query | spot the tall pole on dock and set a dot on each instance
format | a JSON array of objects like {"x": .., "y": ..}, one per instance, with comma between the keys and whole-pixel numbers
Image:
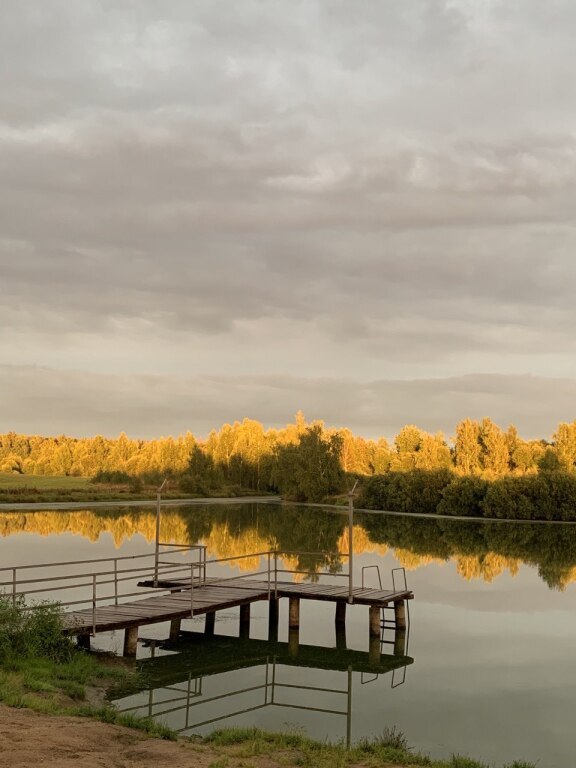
[
  {"x": 351, "y": 543},
  {"x": 157, "y": 548}
]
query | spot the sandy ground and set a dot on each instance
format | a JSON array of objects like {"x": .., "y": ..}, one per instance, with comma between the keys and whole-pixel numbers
[{"x": 28, "y": 739}]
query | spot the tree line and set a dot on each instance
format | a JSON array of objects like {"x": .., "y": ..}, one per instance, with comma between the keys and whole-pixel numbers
[{"x": 303, "y": 461}]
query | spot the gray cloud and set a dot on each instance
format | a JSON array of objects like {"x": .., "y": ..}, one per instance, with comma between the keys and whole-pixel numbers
[
  {"x": 50, "y": 402},
  {"x": 315, "y": 189}
]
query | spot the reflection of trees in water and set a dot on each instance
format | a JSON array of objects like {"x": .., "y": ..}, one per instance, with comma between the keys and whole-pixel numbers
[
  {"x": 494, "y": 546},
  {"x": 479, "y": 550}
]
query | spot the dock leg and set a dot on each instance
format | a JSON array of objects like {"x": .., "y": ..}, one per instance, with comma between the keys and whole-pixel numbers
[
  {"x": 400, "y": 642},
  {"x": 374, "y": 650},
  {"x": 210, "y": 623},
  {"x": 273, "y": 616},
  {"x": 374, "y": 621},
  {"x": 130, "y": 641},
  {"x": 83, "y": 642},
  {"x": 400, "y": 614},
  {"x": 340, "y": 624},
  {"x": 175, "y": 626},
  {"x": 293, "y": 613},
  {"x": 293, "y": 641},
  {"x": 245, "y": 621}
]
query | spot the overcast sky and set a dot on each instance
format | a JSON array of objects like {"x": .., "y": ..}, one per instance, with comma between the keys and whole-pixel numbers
[{"x": 212, "y": 209}]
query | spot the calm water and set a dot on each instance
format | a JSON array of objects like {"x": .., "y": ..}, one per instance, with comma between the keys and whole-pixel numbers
[{"x": 491, "y": 635}]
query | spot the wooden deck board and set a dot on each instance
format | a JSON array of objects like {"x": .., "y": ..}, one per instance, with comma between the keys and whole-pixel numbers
[{"x": 215, "y": 595}]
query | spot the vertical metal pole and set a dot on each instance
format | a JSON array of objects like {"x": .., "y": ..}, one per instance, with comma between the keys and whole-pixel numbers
[
  {"x": 351, "y": 545},
  {"x": 192, "y": 591},
  {"x": 157, "y": 547},
  {"x": 115, "y": 581},
  {"x": 93, "y": 605},
  {"x": 14, "y": 586},
  {"x": 276, "y": 574},
  {"x": 268, "y": 577},
  {"x": 349, "y": 711}
]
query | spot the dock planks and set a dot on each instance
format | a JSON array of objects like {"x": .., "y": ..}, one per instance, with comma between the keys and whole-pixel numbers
[{"x": 215, "y": 595}]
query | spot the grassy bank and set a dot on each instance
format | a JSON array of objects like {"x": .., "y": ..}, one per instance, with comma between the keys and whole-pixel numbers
[{"x": 15, "y": 488}]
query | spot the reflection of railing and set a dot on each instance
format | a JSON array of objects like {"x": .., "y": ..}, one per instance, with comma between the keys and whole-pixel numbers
[{"x": 270, "y": 688}]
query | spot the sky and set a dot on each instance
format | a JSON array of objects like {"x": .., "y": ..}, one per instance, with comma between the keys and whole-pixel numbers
[{"x": 212, "y": 210}]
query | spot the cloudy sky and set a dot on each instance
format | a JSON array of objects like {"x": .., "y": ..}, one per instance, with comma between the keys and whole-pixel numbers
[{"x": 214, "y": 209}]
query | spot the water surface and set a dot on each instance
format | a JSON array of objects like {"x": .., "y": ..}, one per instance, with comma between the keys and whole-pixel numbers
[{"x": 491, "y": 635}]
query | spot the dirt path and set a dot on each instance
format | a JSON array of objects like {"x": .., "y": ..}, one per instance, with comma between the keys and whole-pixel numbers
[{"x": 29, "y": 740}]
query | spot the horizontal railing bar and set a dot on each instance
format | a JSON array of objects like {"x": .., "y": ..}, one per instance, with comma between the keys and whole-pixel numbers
[
  {"x": 240, "y": 557},
  {"x": 314, "y": 573},
  {"x": 221, "y": 717},
  {"x": 310, "y": 688},
  {"x": 86, "y": 562},
  {"x": 310, "y": 709},
  {"x": 294, "y": 552}
]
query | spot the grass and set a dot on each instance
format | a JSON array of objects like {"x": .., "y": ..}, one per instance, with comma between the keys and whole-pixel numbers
[
  {"x": 390, "y": 749},
  {"x": 15, "y": 488}
]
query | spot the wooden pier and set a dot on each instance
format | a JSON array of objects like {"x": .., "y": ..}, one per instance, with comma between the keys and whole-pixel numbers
[{"x": 170, "y": 591}]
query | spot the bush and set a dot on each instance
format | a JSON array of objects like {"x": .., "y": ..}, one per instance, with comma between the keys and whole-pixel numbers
[
  {"x": 418, "y": 491},
  {"x": 32, "y": 632},
  {"x": 547, "y": 496},
  {"x": 464, "y": 497}
]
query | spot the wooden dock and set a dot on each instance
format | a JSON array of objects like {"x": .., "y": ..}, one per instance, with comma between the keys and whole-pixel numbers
[
  {"x": 218, "y": 595},
  {"x": 125, "y": 593}
]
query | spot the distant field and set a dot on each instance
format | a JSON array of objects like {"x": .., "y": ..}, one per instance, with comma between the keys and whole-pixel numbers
[{"x": 42, "y": 482}]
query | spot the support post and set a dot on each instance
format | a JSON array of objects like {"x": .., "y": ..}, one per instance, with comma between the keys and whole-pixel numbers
[
  {"x": 340, "y": 625},
  {"x": 400, "y": 642},
  {"x": 245, "y": 621},
  {"x": 374, "y": 621},
  {"x": 130, "y": 641},
  {"x": 273, "y": 616},
  {"x": 400, "y": 614},
  {"x": 175, "y": 626},
  {"x": 293, "y": 613},
  {"x": 210, "y": 623},
  {"x": 83, "y": 642},
  {"x": 293, "y": 641},
  {"x": 374, "y": 634}
]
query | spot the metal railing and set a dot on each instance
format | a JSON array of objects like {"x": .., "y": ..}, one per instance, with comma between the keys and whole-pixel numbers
[{"x": 95, "y": 581}]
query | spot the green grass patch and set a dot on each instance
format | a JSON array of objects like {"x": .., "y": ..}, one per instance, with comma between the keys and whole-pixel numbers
[
  {"x": 41, "y": 482},
  {"x": 389, "y": 749}
]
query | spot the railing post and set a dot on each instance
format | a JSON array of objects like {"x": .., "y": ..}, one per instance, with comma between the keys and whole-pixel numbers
[
  {"x": 276, "y": 574},
  {"x": 157, "y": 545},
  {"x": 14, "y": 586},
  {"x": 351, "y": 544},
  {"x": 93, "y": 605},
  {"x": 269, "y": 575},
  {"x": 115, "y": 581},
  {"x": 192, "y": 591}
]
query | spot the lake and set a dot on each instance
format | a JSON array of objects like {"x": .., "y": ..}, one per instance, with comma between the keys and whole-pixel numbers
[{"x": 491, "y": 636}]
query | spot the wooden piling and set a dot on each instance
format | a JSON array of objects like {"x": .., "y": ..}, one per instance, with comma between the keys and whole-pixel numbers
[
  {"x": 175, "y": 626},
  {"x": 400, "y": 642},
  {"x": 293, "y": 641},
  {"x": 293, "y": 613},
  {"x": 400, "y": 614},
  {"x": 374, "y": 621},
  {"x": 84, "y": 642},
  {"x": 374, "y": 649},
  {"x": 245, "y": 621},
  {"x": 130, "y": 641},
  {"x": 340, "y": 617},
  {"x": 273, "y": 616},
  {"x": 210, "y": 623}
]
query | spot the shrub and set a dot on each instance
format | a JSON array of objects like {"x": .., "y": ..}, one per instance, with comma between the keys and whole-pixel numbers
[
  {"x": 464, "y": 497},
  {"x": 32, "y": 632},
  {"x": 418, "y": 491}
]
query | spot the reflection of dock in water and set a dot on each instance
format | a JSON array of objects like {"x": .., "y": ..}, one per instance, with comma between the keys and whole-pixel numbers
[{"x": 175, "y": 684}]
